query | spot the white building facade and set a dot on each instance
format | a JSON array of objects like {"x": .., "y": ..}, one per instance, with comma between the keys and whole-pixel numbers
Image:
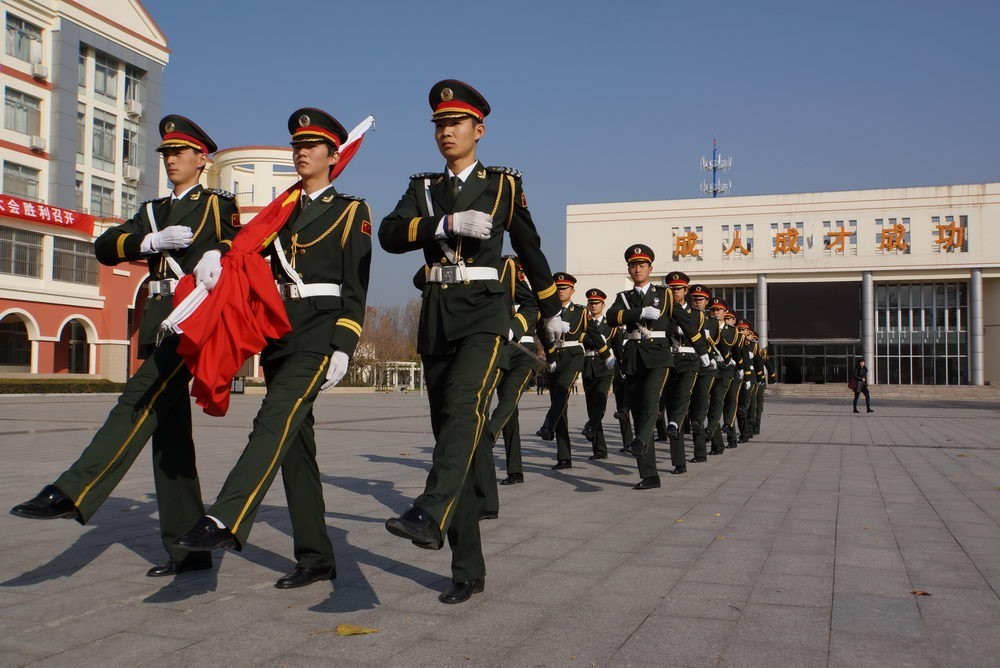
[{"x": 907, "y": 279}]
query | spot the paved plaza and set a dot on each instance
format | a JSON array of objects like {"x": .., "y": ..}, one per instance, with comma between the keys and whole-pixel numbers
[{"x": 831, "y": 539}]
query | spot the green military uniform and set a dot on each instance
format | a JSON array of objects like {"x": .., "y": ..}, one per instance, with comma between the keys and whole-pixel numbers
[
  {"x": 749, "y": 387},
  {"x": 731, "y": 408},
  {"x": 465, "y": 315},
  {"x": 726, "y": 374},
  {"x": 647, "y": 357},
  {"x": 154, "y": 402},
  {"x": 565, "y": 357},
  {"x": 617, "y": 343},
  {"x": 765, "y": 375},
  {"x": 327, "y": 242},
  {"x": 707, "y": 378},
  {"x": 597, "y": 376}
]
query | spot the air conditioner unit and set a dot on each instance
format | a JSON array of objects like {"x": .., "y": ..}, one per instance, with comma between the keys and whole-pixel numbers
[
  {"x": 36, "y": 143},
  {"x": 39, "y": 71},
  {"x": 130, "y": 173},
  {"x": 133, "y": 107}
]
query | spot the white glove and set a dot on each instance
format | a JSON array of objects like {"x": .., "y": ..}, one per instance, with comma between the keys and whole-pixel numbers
[
  {"x": 472, "y": 224},
  {"x": 650, "y": 313},
  {"x": 174, "y": 237},
  {"x": 750, "y": 353},
  {"x": 610, "y": 362},
  {"x": 565, "y": 326},
  {"x": 208, "y": 269},
  {"x": 705, "y": 362},
  {"x": 552, "y": 367},
  {"x": 746, "y": 385},
  {"x": 731, "y": 362},
  {"x": 553, "y": 327},
  {"x": 719, "y": 359},
  {"x": 510, "y": 334},
  {"x": 338, "y": 367}
]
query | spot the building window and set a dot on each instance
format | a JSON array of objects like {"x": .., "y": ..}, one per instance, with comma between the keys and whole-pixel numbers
[
  {"x": 104, "y": 140},
  {"x": 130, "y": 144},
  {"x": 133, "y": 83},
  {"x": 20, "y": 252},
  {"x": 106, "y": 76},
  {"x": 24, "y": 40},
  {"x": 102, "y": 197},
  {"x": 81, "y": 69},
  {"x": 20, "y": 181},
  {"x": 741, "y": 299},
  {"x": 15, "y": 348},
  {"x": 81, "y": 132},
  {"x": 79, "y": 191},
  {"x": 130, "y": 199},
  {"x": 73, "y": 261},
  {"x": 22, "y": 113}
]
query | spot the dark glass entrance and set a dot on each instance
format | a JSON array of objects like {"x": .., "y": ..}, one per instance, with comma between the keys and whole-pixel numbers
[{"x": 814, "y": 361}]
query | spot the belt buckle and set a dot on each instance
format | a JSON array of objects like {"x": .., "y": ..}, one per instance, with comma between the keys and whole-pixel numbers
[{"x": 449, "y": 274}]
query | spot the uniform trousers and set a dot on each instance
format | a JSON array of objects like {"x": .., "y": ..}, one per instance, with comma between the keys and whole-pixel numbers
[
  {"x": 154, "y": 403},
  {"x": 596, "y": 393},
  {"x": 677, "y": 400},
  {"x": 644, "y": 390},
  {"x": 731, "y": 408},
  {"x": 504, "y": 419},
  {"x": 758, "y": 408},
  {"x": 569, "y": 364},
  {"x": 716, "y": 408},
  {"x": 621, "y": 408},
  {"x": 698, "y": 413}
]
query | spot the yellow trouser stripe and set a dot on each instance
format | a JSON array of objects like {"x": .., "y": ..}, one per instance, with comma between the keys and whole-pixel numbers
[
  {"x": 277, "y": 450},
  {"x": 517, "y": 400},
  {"x": 480, "y": 423},
  {"x": 131, "y": 435}
]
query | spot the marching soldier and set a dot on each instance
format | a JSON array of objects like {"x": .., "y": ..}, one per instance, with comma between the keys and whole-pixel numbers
[
  {"x": 707, "y": 375},
  {"x": 321, "y": 259},
  {"x": 174, "y": 235},
  {"x": 565, "y": 355},
  {"x": 718, "y": 309},
  {"x": 457, "y": 219},
  {"x": 688, "y": 359},
  {"x": 617, "y": 343},
  {"x": 765, "y": 375},
  {"x": 597, "y": 373},
  {"x": 749, "y": 381},
  {"x": 730, "y": 407},
  {"x": 648, "y": 315}
]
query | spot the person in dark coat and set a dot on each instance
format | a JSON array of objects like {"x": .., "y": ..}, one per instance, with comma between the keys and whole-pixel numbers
[{"x": 860, "y": 378}]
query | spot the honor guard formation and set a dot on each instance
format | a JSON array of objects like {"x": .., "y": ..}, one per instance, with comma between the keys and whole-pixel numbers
[{"x": 292, "y": 285}]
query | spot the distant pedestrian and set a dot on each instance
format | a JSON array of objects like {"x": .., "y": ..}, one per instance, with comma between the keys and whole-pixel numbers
[{"x": 859, "y": 383}]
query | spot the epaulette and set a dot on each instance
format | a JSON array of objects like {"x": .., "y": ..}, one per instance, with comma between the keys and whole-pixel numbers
[
  {"x": 353, "y": 198},
  {"x": 224, "y": 194},
  {"x": 427, "y": 175},
  {"x": 153, "y": 201},
  {"x": 497, "y": 169}
]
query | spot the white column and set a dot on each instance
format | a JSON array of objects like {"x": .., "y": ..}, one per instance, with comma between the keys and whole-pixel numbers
[
  {"x": 760, "y": 324},
  {"x": 868, "y": 323},
  {"x": 976, "y": 326}
]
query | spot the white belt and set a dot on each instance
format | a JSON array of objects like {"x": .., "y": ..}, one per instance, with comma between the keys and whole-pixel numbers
[
  {"x": 526, "y": 339},
  {"x": 457, "y": 274},
  {"x": 164, "y": 287},
  {"x": 685, "y": 349},
  {"x": 589, "y": 353},
  {"x": 568, "y": 344},
  {"x": 636, "y": 335},
  {"x": 292, "y": 291}
]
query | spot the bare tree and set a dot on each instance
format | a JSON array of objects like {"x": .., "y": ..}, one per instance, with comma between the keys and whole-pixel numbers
[{"x": 389, "y": 335}]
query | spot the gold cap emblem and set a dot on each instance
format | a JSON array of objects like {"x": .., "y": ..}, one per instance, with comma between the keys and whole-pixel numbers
[
  {"x": 169, "y": 126},
  {"x": 447, "y": 94},
  {"x": 304, "y": 120},
  {"x": 636, "y": 250}
]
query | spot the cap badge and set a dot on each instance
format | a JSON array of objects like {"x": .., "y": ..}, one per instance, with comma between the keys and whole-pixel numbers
[
  {"x": 304, "y": 120},
  {"x": 636, "y": 250},
  {"x": 169, "y": 126},
  {"x": 447, "y": 94}
]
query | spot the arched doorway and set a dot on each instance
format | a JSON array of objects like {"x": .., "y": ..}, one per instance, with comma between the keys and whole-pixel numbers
[
  {"x": 72, "y": 354},
  {"x": 15, "y": 348}
]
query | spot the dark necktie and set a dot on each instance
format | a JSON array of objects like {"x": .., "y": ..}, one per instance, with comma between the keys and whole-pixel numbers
[
  {"x": 456, "y": 186},
  {"x": 305, "y": 200}
]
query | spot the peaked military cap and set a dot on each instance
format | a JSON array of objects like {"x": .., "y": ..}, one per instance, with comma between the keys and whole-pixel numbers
[
  {"x": 562, "y": 278},
  {"x": 309, "y": 125},
  {"x": 676, "y": 279},
  {"x": 452, "y": 98},
  {"x": 718, "y": 302},
  {"x": 699, "y": 290},
  {"x": 639, "y": 253},
  {"x": 179, "y": 132},
  {"x": 595, "y": 295},
  {"x": 742, "y": 324}
]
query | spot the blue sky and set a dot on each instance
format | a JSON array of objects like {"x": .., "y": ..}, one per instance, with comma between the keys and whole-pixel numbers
[{"x": 604, "y": 102}]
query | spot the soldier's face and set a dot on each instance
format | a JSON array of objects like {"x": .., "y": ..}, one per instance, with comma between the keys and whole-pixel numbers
[
  {"x": 456, "y": 137},
  {"x": 639, "y": 272},
  {"x": 313, "y": 159},
  {"x": 719, "y": 314},
  {"x": 699, "y": 302},
  {"x": 565, "y": 293},
  {"x": 679, "y": 292},
  {"x": 730, "y": 320},
  {"x": 182, "y": 164},
  {"x": 595, "y": 308}
]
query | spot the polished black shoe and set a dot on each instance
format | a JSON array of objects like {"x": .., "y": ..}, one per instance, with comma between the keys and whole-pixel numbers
[
  {"x": 206, "y": 535},
  {"x": 48, "y": 504},
  {"x": 856, "y": 410},
  {"x": 679, "y": 470},
  {"x": 300, "y": 577},
  {"x": 697, "y": 460},
  {"x": 598, "y": 455},
  {"x": 661, "y": 436},
  {"x": 545, "y": 433},
  {"x": 636, "y": 448},
  {"x": 513, "y": 479},
  {"x": 672, "y": 432},
  {"x": 652, "y": 482},
  {"x": 489, "y": 515},
  {"x": 563, "y": 464},
  {"x": 619, "y": 416},
  {"x": 177, "y": 567},
  {"x": 461, "y": 592},
  {"x": 732, "y": 446},
  {"x": 417, "y": 525},
  {"x": 588, "y": 433},
  {"x": 743, "y": 438},
  {"x": 715, "y": 451},
  {"x": 871, "y": 410}
]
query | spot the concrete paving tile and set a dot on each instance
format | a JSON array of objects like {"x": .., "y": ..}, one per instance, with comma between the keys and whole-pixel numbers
[
  {"x": 952, "y": 603},
  {"x": 784, "y": 626},
  {"x": 804, "y": 590},
  {"x": 764, "y": 655},
  {"x": 705, "y": 600},
  {"x": 673, "y": 556},
  {"x": 850, "y": 650},
  {"x": 963, "y": 642},
  {"x": 575, "y": 637},
  {"x": 799, "y": 563},
  {"x": 822, "y": 544},
  {"x": 877, "y": 581},
  {"x": 886, "y": 557},
  {"x": 680, "y": 640},
  {"x": 868, "y": 613},
  {"x": 634, "y": 577},
  {"x": 119, "y": 649}
]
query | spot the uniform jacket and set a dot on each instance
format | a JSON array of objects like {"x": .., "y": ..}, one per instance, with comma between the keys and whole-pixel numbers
[
  {"x": 597, "y": 341},
  {"x": 211, "y": 214},
  {"x": 450, "y": 312},
  {"x": 329, "y": 241},
  {"x": 523, "y": 310},
  {"x": 729, "y": 348},
  {"x": 711, "y": 330}
]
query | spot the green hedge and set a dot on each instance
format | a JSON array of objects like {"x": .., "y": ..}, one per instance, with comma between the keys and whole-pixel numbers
[{"x": 57, "y": 385}]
